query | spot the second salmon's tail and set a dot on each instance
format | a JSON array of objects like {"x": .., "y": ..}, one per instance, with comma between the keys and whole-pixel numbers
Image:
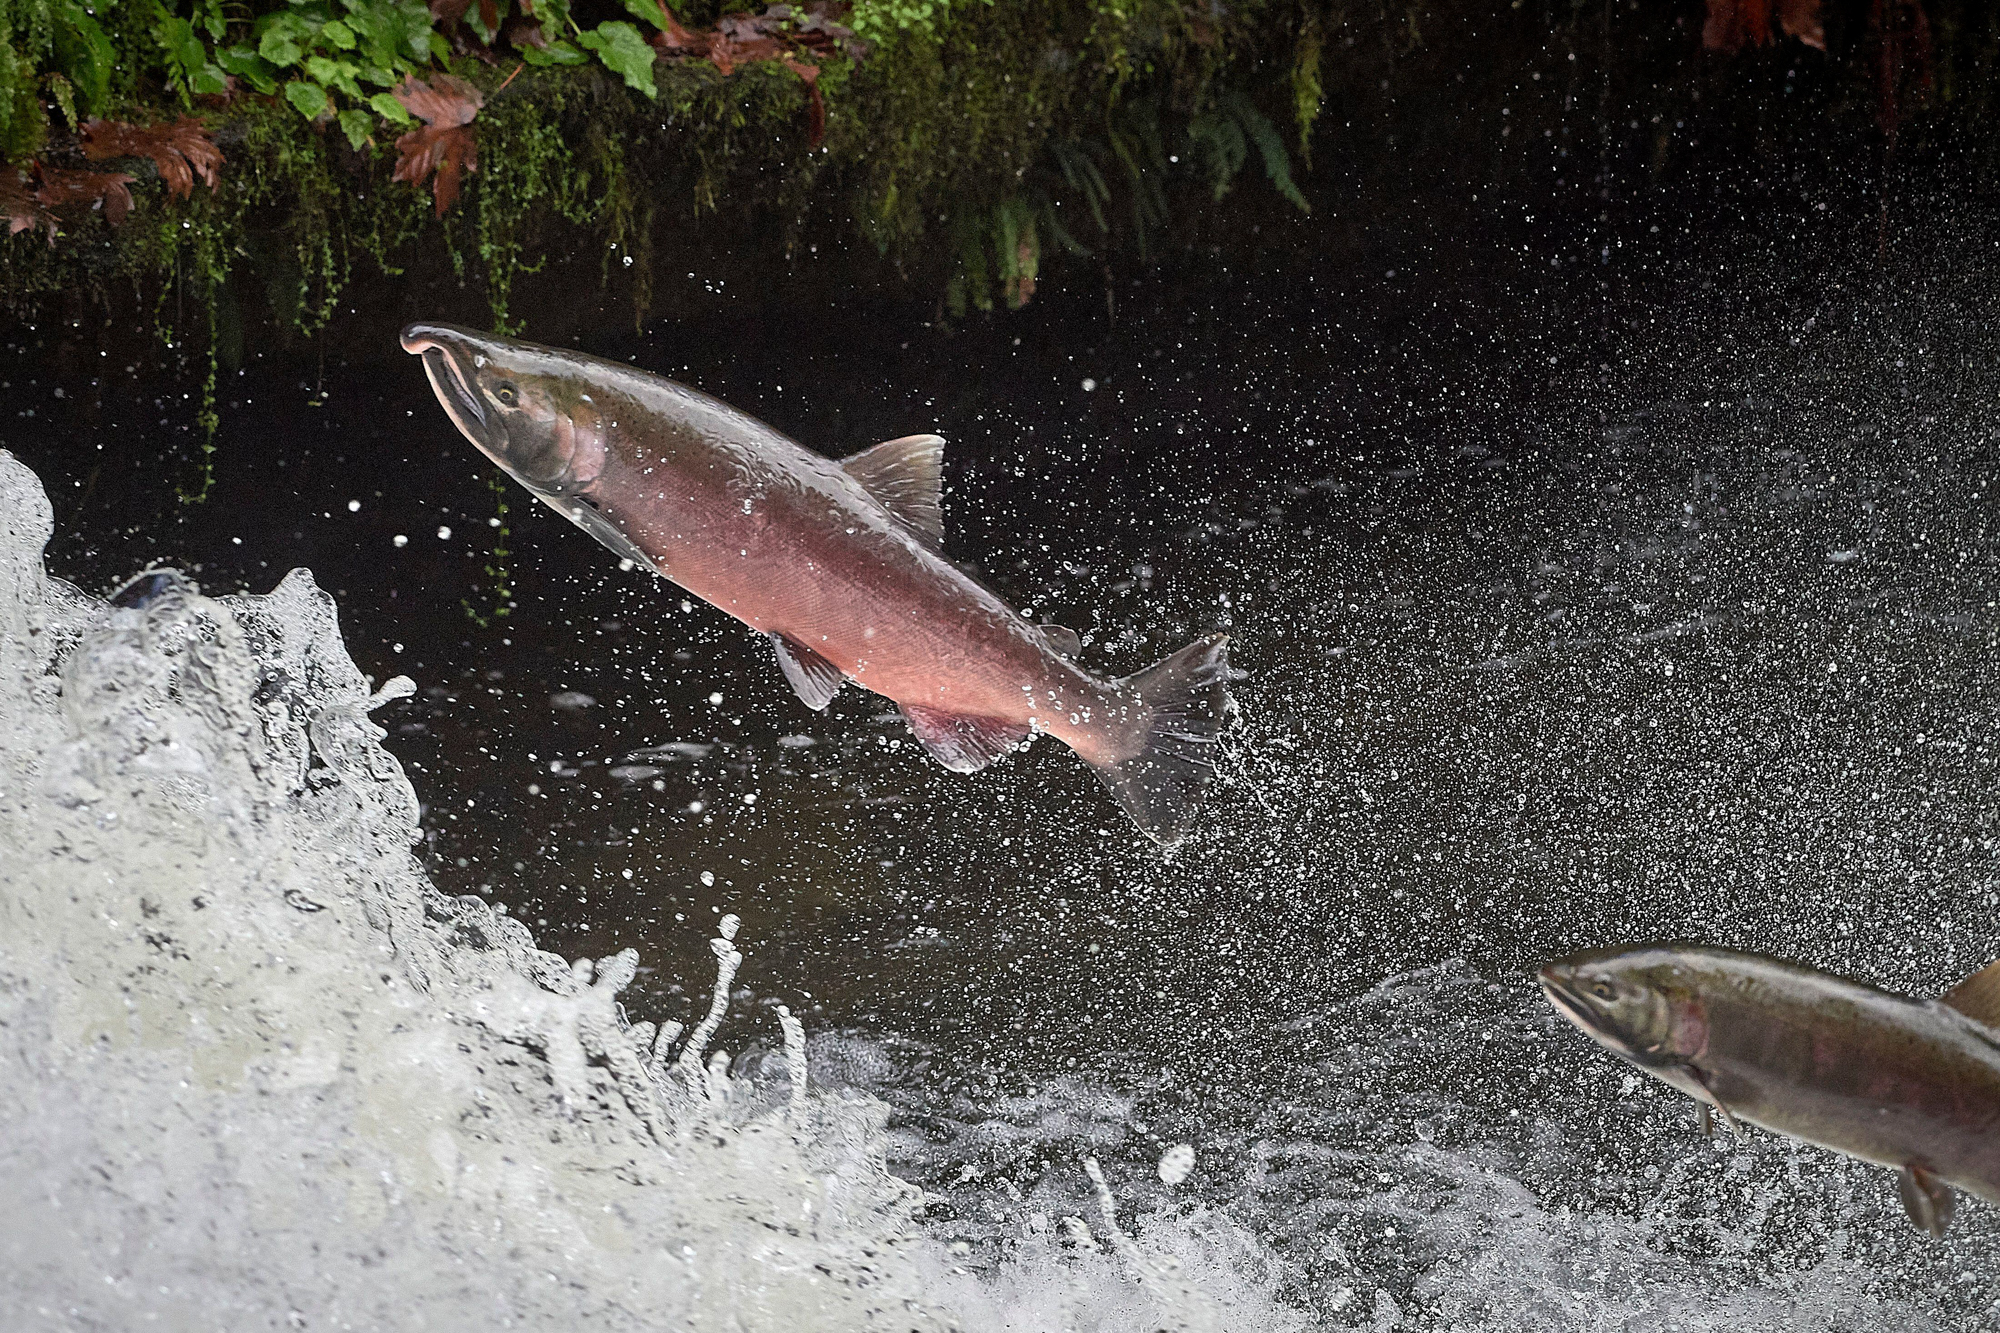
[{"x": 1188, "y": 704}]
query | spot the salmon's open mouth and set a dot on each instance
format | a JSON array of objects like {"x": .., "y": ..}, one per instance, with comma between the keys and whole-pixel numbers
[
  {"x": 449, "y": 366},
  {"x": 1566, "y": 1002}
]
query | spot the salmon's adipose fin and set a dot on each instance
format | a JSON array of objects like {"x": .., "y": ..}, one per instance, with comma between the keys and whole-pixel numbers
[
  {"x": 1929, "y": 1201},
  {"x": 1188, "y": 704},
  {"x": 1978, "y": 996},
  {"x": 962, "y": 744},
  {"x": 816, "y": 679}
]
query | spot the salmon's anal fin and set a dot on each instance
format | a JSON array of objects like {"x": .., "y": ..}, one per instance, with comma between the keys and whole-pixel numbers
[
  {"x": 1187, "y": 704},
  {"x": 962, "y": 744},
  {"x": 1929, "y": 1201},
  {"x": 906, "y": 477},
  {"x": 1978, "y": 996},
  {"x": 1061, "y": 639},
  {"x": 816, "y": 679}
]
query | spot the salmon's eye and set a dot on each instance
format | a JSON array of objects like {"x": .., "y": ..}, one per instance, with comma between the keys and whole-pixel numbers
[
  {"x": 506, "y": 394},
  {"x": 1604, "y": 990}
]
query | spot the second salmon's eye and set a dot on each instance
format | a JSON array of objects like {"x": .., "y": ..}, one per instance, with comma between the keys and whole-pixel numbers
[{"x": 507, "y": 394}]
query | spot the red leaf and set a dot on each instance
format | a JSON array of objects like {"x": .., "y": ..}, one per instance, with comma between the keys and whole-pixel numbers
[
  {"x": 726, "y": 52},
  {"x": 18, "y": 204},
  {"x": 672, "y": 36},
  {"x": 489, "y": 14},
  {"x": 779, "y": 33},
  {"x": 61, "y": 188},
  {"x": 1800, "y": 19},
  {"x": 181, "y": 150},
  {"x": 448, "y": 12},
  {"x": 442, "y": 103},
  {"x": 1735, "y": 24},
  {"x": 444, "y": 150},
  {"x": 448, "y": 151}
]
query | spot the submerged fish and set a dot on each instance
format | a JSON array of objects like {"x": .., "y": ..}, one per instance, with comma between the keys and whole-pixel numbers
[
  {"x": 841, "y": 564},
  {"x": 1910, "y": 1084}
]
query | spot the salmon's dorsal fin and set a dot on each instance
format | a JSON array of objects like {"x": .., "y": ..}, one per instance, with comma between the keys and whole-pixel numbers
[
  {"x": 816, "y": 679},
  {"x": 962, "y": 744},
  {"x": 906, "y": 477},
  {"x": 1061, "y": 639},
  {"x": 1978, "y": 996}
]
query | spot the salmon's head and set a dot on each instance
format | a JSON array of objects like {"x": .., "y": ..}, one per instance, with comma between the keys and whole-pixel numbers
[
  {"x": 528, "y": 408},
  {"x": 1640, "y": 1003}
]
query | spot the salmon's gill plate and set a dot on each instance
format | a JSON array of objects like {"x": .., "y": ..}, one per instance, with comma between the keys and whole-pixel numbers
[{"x": 257, "y": 1072}]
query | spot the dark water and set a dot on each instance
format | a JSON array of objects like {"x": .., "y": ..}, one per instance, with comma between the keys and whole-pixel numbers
[{"x": 1583, "y": 598}]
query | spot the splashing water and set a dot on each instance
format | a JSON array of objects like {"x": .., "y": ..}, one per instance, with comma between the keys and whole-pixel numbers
[{"x": 259, "y": 1072}]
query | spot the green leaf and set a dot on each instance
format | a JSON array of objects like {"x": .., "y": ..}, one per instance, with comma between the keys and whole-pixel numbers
[
  {"x": 338, "y": 34},
  {"x": 356, "y": 125},
  {"x": 557, "y": 52},
  {"x": 247, "y": 65},
  {"x": 623, "y": 52},
  {"x": 440, "y": 48},
  {"x": 475, "y": 19},
  {"x": 282, "y": 39},
  {"x": 647, "y": 11},
  {"x": 1277, "y": 162},
  {"x": 391, "y": 110},
  {"x": 337, "y": 74},
  {"x": 555, "y": 18},
  {"x": 65, "y": 94},
  {"x": 395, "y": 32},
  {"x": 187, "y": 58},
  {"x": 309, "y": 99},
  {"x": 85, "y": 54},
  {"x": 208, "y": 13}
]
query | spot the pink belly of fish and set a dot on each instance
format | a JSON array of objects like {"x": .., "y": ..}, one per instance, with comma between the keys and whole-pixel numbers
[{"x": 897, "y": 621}]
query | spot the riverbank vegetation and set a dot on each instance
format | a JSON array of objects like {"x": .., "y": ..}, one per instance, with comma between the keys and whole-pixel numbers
[{"x": 231, "y": 164}]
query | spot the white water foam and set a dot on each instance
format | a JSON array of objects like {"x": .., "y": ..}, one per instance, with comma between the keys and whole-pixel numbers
[{"x": 257, "y": 1072}]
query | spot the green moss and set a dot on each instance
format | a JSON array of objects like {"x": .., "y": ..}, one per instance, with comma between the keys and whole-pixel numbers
[{"x": 976, "y": 147}]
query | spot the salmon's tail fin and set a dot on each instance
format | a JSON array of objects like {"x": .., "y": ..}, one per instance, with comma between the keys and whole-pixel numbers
[{"x": 1187, "y": 705}]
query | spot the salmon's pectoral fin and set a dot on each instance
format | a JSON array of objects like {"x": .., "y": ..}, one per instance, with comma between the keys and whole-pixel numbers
[
  {"x": 1929, "y": 1201},
  {"x": 962, "y": 744},
  {"x": 816, "y": 679},
  {"x": 906, "y": 477},
  {"x": 1709, "y": 1099}
]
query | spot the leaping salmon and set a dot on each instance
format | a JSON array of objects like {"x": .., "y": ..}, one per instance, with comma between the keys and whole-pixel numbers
[
  {"x": 1910, "y": 1084},
  {"x": 841, "y": 564}
]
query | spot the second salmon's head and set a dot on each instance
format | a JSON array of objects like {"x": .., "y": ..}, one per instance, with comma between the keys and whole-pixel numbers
[
  {"x": 1641, "y": 1003},
  {"x": 524, "y": 406}
]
